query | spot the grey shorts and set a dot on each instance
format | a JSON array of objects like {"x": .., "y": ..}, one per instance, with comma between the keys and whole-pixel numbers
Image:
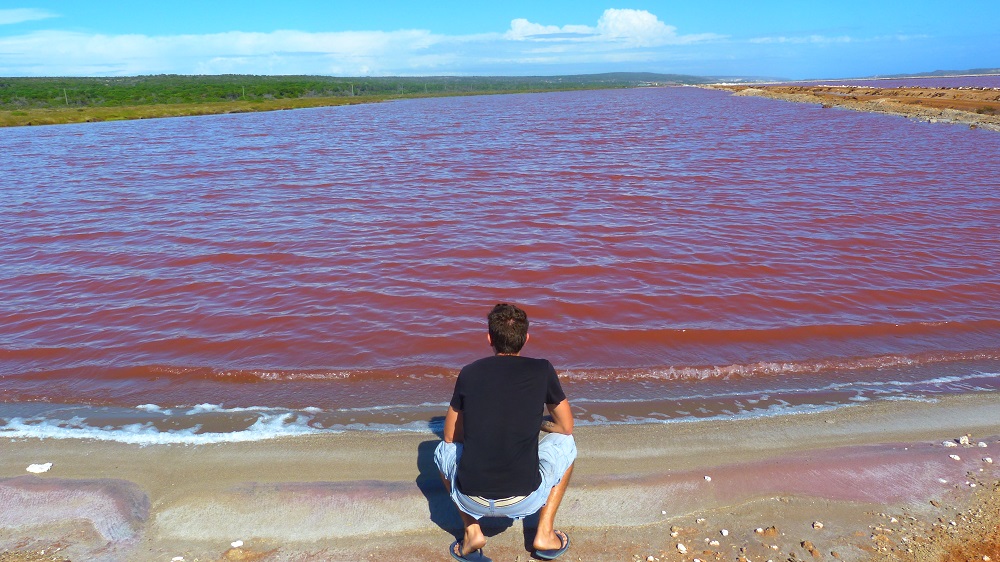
[{"x": 556, "y": 453}]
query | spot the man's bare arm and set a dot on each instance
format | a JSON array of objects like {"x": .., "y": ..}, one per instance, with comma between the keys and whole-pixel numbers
[
  {"x": 562, "y": 419},
  {"x": 453, "y": 432}
]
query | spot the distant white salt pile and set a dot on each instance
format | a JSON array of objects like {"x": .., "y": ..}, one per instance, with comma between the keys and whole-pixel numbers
[{"x": 39, "y": 468}]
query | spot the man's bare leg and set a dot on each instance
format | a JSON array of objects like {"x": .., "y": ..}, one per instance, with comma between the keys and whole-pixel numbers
[
  {"x": 474, "y": 538},
  {"x": 545, "y": 535}
]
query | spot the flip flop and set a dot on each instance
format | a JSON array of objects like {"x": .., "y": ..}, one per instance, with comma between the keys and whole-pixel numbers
[
  {"x": 474, "y": 556},
  {"x": 554, "y": 553}
]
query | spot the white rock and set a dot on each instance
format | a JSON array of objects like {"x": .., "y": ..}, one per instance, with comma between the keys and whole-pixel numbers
[
  {"x": 39, "y": 468},
  {"x": 987, "y": 460},
  {"x": 955, "y": 457},
  {"x": 681, "y": 548},
  {"x": 963, "y": 440},
  {"x": 177, "y": 559},
  {"x": 663, "y": 513},
  {"x": 759, "y": 530},
  {"x": 725, "y": 532},
  {"x": 942, "y": 480},
  {"x": 674, "y": 534},
  {"x": 236, "y": 544},
  {"x": 650, "y": 558},
  {"x": 708, "y": 478},
  {"x": 817, "y": 525},
  {"x": 699, "y": 520},
  {"x": 713, "y": 543},
  {"x": 950, "y": 444},
  {"x": 981, "y": 444}
]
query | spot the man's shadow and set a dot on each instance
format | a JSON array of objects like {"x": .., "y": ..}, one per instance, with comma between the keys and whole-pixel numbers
[{"x": 443, "y": 512}]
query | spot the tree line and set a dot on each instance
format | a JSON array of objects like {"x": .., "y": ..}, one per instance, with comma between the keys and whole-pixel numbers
[{"x": 28, "y": 93}]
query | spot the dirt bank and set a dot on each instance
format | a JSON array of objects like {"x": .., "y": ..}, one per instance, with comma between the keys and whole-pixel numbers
[{"x": 977, "y": 107}]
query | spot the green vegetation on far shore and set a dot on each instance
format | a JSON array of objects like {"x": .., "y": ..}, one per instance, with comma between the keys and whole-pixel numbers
[{"x": 46, "y": 101}]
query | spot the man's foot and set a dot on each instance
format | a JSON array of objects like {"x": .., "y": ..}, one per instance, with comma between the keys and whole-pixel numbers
[
  {"x": 547, "y": 548},
  {"x": 459, "y": 552}
]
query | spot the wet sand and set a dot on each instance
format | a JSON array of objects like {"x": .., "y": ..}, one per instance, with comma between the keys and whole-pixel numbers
[
  {"x": 870, "y": 474},
  {"x": 976, "y": 107}
]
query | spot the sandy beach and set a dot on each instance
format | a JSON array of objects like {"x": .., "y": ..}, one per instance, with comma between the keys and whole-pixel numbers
[
  {"x": 866, "y": 482},
  {"x": 976, "y": 107}
]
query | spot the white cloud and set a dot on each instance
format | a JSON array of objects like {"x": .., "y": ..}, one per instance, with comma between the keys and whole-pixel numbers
[
  {"x": 278, "y": 52},
  {"x": 521, "y": 29},
  {"x": 633, "y": 28},
  {"x": 801, "y": 40},
  {"x": 20, "y": 15}
]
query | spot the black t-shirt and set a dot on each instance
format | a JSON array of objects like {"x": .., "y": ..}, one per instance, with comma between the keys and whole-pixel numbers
[{"x": 502, "y": 400}]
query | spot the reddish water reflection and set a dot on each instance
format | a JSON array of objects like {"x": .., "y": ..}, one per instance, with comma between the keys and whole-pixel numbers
[{"x": 647, "y": 232}]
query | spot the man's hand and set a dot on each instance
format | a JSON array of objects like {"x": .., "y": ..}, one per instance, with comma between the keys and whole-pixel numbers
[
  {"x": 548, "y": 425},
  {"x": 561, "y": 420}
]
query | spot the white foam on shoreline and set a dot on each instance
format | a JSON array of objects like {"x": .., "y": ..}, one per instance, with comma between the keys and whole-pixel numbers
[{"x": 266, "y": 427}]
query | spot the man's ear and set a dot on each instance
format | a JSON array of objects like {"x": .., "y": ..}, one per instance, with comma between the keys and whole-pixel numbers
[
  {"x": 526, "y": 338},
  {"x": 489, "y": 339}
]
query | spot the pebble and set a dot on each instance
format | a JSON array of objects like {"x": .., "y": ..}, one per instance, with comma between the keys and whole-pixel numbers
[
  {"x": 963, "y": 440},
  {"x": 177, "y": 559},
  {"x": 663, "y": 513},
  {"x": 981, "y": 444},
  {"x": 699, "y": 520},
  {"x": 942, "y": 480},
  {"x": 950, "y": 444},
  {"x": 681, "y": 548},
  {"x": 236, "y": 544},
  {"x": 725, "y": 532},
  {"x": 987, "y": 460},
  {"x": 713, "y": 543},
  {"x": 650, "y": 558},
  {"x": 817, "y": 525},
  {"x": 708, "y": 478},
  {"x": 39, "y": 468},
  {"x": 955, "y": 457}
]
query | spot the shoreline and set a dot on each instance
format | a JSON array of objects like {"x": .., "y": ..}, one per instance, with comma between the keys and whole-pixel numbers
[
  {"x": 978, "y": 108},
  {"x": 351, "y": 495}
]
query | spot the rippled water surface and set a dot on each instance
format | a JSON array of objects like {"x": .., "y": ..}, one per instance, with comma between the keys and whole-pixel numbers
[{"x": 679, "y": 251}]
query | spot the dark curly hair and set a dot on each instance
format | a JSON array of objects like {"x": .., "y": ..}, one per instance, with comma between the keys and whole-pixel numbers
[{"x": 508, "y": 328}]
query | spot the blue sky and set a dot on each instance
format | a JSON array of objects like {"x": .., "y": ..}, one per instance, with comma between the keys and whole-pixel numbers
[{"x": 773, "y": 38}]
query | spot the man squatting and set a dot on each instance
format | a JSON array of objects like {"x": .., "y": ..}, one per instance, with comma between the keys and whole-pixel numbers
[{"x": 491, "y": 460}]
